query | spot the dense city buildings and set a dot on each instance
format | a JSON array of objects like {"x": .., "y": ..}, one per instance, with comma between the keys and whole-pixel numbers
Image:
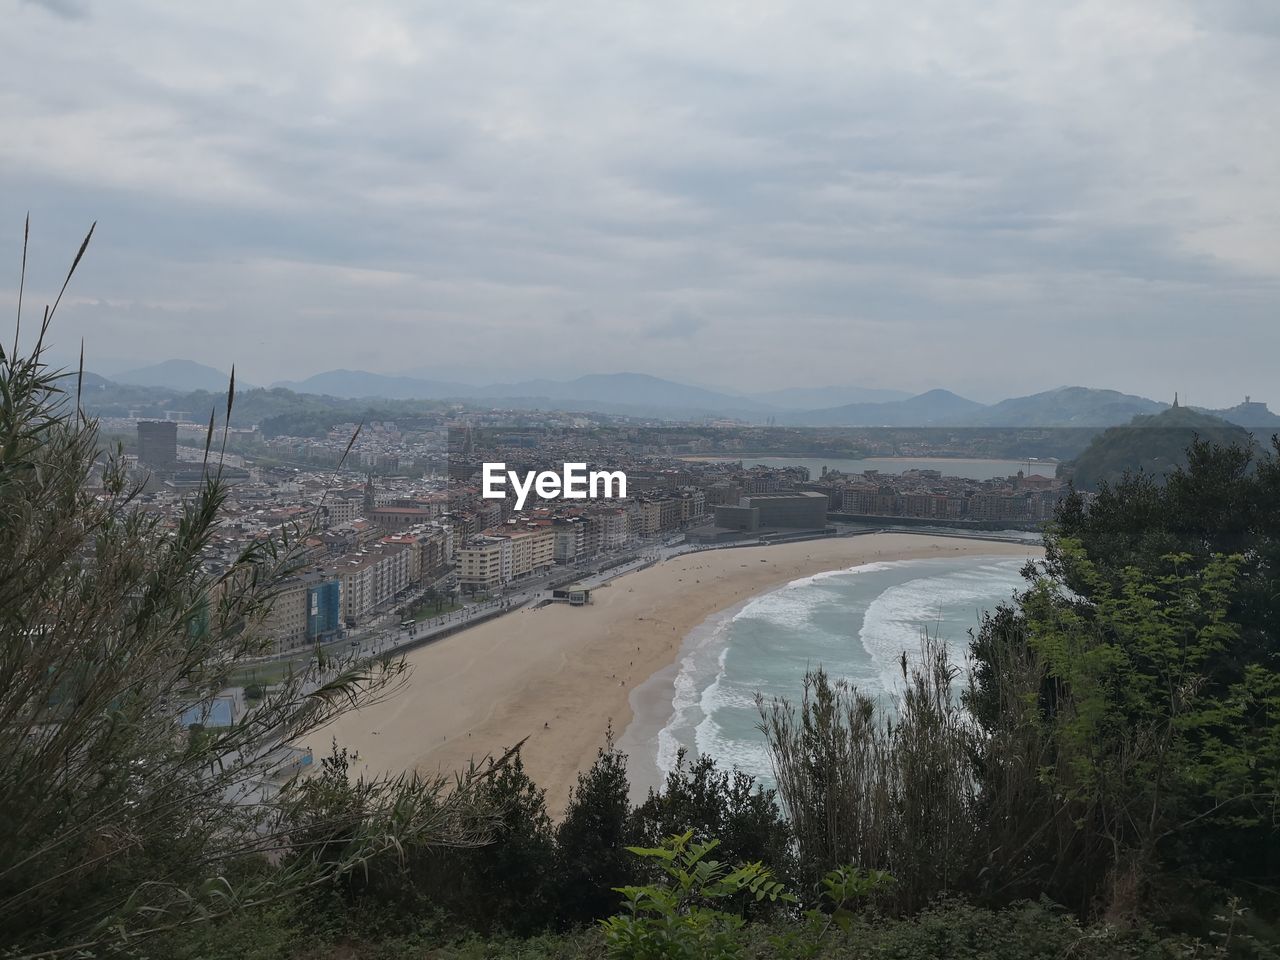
[{"x": 405, "y": 518}]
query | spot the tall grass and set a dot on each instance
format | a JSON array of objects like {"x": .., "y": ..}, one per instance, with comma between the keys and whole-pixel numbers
[
  {"x": 115, "y": 822},
  {"x": 886, "y": 789}
]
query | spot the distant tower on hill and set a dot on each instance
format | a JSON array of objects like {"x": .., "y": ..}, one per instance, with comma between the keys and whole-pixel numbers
[{"x": 1175, "y": 399}]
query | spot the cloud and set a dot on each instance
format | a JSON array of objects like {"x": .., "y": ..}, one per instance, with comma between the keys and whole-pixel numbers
[
  {"x": 841, "y": 190},
  {"x": 69, "y": 9},
  {"x": 680, "y": 325}
]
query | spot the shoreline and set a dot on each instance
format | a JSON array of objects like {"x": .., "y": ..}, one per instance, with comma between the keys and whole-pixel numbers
[
  {"x": 561, "y": 676},
  {"x": 652, "y": 705}
]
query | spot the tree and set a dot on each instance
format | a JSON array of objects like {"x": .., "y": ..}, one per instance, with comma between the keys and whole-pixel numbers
[
  {"x": 711, "y": 802},
  {"x": 504, "y": 884},
  {"x": 591, "y": 858},
  {"x": 1130, "y": 704}
]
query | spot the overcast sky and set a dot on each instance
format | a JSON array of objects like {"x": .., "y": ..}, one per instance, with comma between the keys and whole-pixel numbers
[{"x": 991, "y": 196}]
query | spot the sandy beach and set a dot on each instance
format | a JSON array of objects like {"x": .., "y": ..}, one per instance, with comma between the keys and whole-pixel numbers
[{"x": 561, "y": 675}]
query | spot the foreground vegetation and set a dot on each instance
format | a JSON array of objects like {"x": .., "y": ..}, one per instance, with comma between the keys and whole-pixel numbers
[{"x": 1107, "y": 783}]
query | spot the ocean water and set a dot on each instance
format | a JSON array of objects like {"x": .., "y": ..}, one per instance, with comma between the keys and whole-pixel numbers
[{"x": 854, "y": 623}]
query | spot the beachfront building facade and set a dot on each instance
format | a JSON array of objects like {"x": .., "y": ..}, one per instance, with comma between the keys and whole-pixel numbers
[
  {"x": 613, "y": 529},
  {"x": 497, "y": 557},
  {"x": 372, "y": 578},
  {"x": 533, "y": 550},
  {"x": 484, "y": 563}
]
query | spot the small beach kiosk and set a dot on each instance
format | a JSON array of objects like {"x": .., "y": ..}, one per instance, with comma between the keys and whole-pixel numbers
[{"x": 575, "y": 595}]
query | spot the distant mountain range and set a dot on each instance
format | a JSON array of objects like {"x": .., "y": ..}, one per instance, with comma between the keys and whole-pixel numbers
[
  {"x": 926, "y": 409},
  {"x": 642, "y": 395},
  {"x": 184, "y": 375},
  {"x": 635, "y": 394},
  {"x": 357, "y": 384},
  {"x": 817, "y": 398},
  {"x": 1066, "y": 407}
]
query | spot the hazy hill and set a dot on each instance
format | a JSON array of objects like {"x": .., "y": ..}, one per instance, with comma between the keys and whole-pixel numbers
[
  {"x": 176, "y": 375},
  {"x": 817, "y": 398},
  {"x": 1154, "y": 444},
  {"x": 642, "y": 395},
  {"x": 90, "y": 381},
  {"x": 1065, "y": 407},
  {"x": 637, "y": 390},
  {"x": 356, "y": 384},
  {"x": 606, "y": 392},
  {"x": 933, "y": 407},
  {"x": 1248, "y": 414},
  {"x": 627, "y": 393}
]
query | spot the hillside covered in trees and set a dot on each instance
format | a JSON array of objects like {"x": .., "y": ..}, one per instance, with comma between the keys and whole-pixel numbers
[{"x": 1152, "y": 444}]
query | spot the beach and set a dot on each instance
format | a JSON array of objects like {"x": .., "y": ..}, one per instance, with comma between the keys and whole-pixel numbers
[{"x": 559, "y": 677}]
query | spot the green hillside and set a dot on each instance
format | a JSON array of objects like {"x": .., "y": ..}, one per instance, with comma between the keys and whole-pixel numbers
[{"x": 1154, "y": 444}]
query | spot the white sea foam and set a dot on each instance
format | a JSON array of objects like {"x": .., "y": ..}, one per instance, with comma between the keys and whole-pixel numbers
[
  {"x": 855, "y": 625},
  {"x": 895, "y": 620},
  {"x": 847, "y": 571},
  {"x": 704, "y": 650}
]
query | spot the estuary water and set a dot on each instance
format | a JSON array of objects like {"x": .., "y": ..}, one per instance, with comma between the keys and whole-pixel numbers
[{"x": 969, "y": 469}]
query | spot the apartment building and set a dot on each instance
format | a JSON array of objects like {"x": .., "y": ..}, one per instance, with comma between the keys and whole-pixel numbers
[
  {"x": 396, "y": 517},
  {"x": 435, "y": 546},
  {"x": 484, "y": 563},
  {"x": 613, "y": 529},
  {"x": 304, "y": 611},
  {"x": 650, "y": 517},
  {"x": 324, "y": 607},
  {"x": 372, "y": 578},
  {"x": 285, "y": 624},
  {"x": 994, "y": 506},
  {"x": 339, "y": 510},
  {"x": 917, "y": 505},
  {"x": 723, "y": 493},
  {"x": 592, "y": 535},
  {"x": 693, "y": 504},
  {"x": 669, "y": 514},
  {"x": 570, "y": 539},
  {"x": 414, "y": 551},
  {"x": 498, "y": 557},
  {"x": 532, "y": 550}
]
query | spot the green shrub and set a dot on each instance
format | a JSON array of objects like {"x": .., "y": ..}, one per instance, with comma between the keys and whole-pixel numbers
[
  {"x": 685, "y": 917},
  {"x": 715, "y": 803}
]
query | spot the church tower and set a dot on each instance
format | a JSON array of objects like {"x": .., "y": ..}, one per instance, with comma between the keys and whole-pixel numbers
[{"x": 369, "y": 502}]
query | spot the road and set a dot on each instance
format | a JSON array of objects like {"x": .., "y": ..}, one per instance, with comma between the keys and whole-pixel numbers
[{"x": 387, "y": 637}]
